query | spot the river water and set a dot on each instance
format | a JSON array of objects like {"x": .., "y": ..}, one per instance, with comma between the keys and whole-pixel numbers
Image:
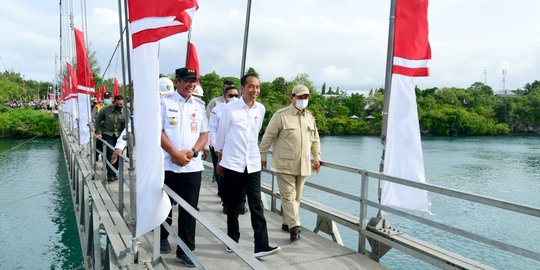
[
  {"x": 505, "y": 168},
  {"x": 37, "y": 223},
  {"x": 38, "y": 227}
]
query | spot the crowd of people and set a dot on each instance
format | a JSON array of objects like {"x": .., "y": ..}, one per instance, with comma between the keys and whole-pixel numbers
[
  {"x": 36, "y": 104},
  {"x": 229, "y": 128}
]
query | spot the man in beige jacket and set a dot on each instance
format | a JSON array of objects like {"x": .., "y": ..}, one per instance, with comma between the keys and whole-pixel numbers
[{"x": 293, "y": 133}]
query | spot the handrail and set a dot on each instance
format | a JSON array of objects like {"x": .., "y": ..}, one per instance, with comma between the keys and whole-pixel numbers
[
  {"x": 374, "y": 176},
  {"x": 218, "y": 233},
  {"x": 360, "y": 221}
]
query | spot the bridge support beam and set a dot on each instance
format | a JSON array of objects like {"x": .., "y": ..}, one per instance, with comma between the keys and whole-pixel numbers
[{"x": 329, "y": 227}]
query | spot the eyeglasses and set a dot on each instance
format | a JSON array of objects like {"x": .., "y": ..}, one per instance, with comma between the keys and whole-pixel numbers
[
  {"x": 190, "y": 80},
  {"x": 232, "y": 95}
]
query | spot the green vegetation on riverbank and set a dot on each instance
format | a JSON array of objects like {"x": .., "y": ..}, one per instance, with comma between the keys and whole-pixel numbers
[
  {"x": 28, "y": 123},
  {"x": 447, "y": 111}
]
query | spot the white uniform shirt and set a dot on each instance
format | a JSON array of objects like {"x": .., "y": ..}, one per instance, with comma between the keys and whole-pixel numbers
[
  {"x": 213, "y": 123},
  {"x": 183, "y": 122},
  {"x": 237, "y": 136}
]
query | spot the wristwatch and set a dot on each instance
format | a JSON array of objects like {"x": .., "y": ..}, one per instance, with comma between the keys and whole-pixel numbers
[{"x": 195, "y": 152}]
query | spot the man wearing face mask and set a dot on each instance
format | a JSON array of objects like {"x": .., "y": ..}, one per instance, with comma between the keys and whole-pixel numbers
[
  {"x": 230, "y": 94},
  {"x": 110, "y": 122},
  {"x": 293, "y": 133}
]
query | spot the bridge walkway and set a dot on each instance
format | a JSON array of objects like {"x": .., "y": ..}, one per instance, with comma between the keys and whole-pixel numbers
[{"x": 312, "y": 251}]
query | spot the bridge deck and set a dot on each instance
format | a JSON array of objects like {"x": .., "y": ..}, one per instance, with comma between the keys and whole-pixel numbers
[{"x": 312, "y": 251}]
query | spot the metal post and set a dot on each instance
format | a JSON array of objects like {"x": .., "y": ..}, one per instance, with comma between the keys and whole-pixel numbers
[
  {"x": 387, "y": 86},
  {"x": 246, "y": 32},
  {"x": 130, "y": 141},
  {"x": 187, "y": 45},
  {"x": 363, "y": 213}
]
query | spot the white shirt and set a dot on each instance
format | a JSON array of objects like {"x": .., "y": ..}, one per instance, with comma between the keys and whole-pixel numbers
[
  {"x": 183, "y": 122},
  {"x": 237, "y": 136},
  {"x": 121, "y": 143},
  {"x": 213, "y": 123}
]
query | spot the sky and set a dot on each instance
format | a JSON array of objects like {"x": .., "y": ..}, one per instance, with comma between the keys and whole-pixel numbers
[{"x": 341, "y": 43}]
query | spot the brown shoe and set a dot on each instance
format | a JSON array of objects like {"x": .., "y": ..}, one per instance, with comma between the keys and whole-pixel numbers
[{"x": 295, "y": 233}]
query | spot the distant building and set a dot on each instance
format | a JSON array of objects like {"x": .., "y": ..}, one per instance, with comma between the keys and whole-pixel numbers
[{"x": 504, "y": 93}]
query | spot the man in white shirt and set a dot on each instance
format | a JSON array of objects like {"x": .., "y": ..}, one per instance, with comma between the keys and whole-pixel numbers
[
  {"x": 240, "y": 162},
  {"x": 184, "y": 134},
  {"x": 230, "y": 94},
  {"x": 219, "y": 99}
]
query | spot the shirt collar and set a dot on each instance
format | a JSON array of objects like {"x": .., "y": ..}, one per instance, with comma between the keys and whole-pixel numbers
[
  {"x": 180, "y": 98},
  {"x": 295, "y": 111},
  {"x": 244, "y": 105}
]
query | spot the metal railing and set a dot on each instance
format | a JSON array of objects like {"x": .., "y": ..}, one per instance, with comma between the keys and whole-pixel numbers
[
  {"x": 359, "y": 223},
  {"x": 92, "y": 213},
  {"x": 77, "y": 161}
]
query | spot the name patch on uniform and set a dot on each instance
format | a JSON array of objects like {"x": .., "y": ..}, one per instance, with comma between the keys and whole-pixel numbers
[{"x": 173, "y": 110}]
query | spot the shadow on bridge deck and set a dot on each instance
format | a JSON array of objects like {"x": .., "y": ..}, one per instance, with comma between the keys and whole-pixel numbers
[{"x": 312, "y": 251}]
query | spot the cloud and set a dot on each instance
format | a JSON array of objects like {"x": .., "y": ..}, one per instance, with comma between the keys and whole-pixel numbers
[{"x": 342, "y": 43}]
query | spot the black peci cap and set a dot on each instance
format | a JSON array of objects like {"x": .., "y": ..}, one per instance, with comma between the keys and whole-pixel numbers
[{"x": 185, "y": 73}]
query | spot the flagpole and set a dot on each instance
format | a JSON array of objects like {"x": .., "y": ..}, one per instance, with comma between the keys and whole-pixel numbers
[
  {"x": 387, "y": 89},
  {"x": 130, "y": 140},
  {"x": 246, "y": 32},
  {"x": 187, "y": 43}
]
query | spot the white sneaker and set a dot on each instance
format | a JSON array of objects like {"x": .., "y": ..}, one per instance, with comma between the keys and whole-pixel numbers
[{"x": 267, "y": 252}]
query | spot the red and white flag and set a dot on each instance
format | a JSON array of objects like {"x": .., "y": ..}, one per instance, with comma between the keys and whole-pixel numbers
[
  {"x": 98, "y": 96},
  {"x": 403, "y": 148},
  {"x": 192, "y": 60},
  {"x": 72, "y": 99},
  {"x": 151, "y": 21},
  {"x": 103, "y": 90},
  {"x": 85, "y": 87},
  {"x": 116, "y": 88}
]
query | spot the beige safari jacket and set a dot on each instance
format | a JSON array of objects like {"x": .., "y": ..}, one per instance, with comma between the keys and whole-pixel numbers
[{"x": 295, "y": 136}]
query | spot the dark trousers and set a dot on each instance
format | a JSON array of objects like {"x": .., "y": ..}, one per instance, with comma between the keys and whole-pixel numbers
[
  {"x": 219, "y": 179},
  {"x": 112, "y": 141},
  {"x": 99, "y": 146},
  {"x": 234, "y": 183},
  {"x": 187, "y": 186}
]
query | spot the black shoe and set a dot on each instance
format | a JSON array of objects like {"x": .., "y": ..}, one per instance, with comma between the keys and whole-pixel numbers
[
  {"x": 164, "y": 246},
  {"x": 243, "y": 210},
  {"x": 111, "y": 179},
  {"x": 224, "y": 210},
  {"x": 284, "y": 227},
  {"x": 295, "y": 233},
  {"x": 185, "y": 260},
  {"x": 266, "y": 252}
]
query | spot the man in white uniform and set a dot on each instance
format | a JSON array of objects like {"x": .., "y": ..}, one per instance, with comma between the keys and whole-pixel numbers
[{"x": 184, "y": 134}]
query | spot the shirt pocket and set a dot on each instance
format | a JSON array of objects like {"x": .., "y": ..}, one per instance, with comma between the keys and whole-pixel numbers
[
  {"x": 312, "y": 132},
  {"x": 172, "y": 119},
  {"x": 289, "y": 129}
]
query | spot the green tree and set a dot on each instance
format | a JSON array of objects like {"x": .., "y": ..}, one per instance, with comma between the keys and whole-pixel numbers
[
  {"x": 323, "y": 89},
  {"x": 356, "y": 104},
  {"x": 212, "y": 85}
]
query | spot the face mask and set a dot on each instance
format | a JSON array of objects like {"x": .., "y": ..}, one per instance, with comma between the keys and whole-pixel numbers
[
  {"x": 118, "y": 107},
  {"x": 301, "y": 103},
  {"x": 232, "y": 99},
  {"x": 106, "y": 101}
]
